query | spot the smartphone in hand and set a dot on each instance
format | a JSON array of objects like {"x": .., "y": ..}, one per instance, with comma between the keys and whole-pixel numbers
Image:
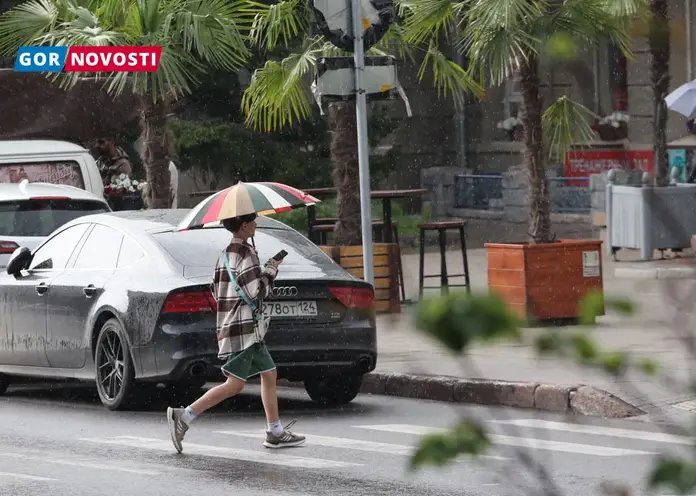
[{"x": 280, "y": 255}]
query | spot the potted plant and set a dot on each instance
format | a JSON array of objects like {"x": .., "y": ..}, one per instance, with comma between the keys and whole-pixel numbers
[
  {"x": 122, "y": 193},
  {"x": 512, "y": 127},
  {"x": 613, "y": 127},
  {"x": 541, "y": 278}
]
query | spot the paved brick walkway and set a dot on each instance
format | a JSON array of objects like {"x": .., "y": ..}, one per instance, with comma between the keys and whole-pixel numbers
[{"x": 649, "y": 333}]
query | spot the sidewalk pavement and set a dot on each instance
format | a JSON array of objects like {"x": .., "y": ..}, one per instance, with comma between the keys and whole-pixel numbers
[{"x": 650, "y": 333}]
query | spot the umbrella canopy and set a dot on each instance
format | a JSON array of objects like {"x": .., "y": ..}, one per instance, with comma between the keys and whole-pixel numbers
[
  {"x": 244, "y": 199},
  {"x": 683, "y": 100}
]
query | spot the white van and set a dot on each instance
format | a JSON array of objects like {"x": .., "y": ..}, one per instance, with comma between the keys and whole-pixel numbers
[{"x": 49, "y": 161}]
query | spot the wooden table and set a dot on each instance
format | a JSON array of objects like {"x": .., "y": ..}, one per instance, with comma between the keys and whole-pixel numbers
[{"x": 385, "y": 195}]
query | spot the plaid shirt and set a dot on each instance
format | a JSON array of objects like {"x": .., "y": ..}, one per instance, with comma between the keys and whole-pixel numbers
[{"x": 237, "y": 328}]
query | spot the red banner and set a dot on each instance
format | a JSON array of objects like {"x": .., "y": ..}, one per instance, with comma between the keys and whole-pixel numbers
[{"x": 582, "y": 163}]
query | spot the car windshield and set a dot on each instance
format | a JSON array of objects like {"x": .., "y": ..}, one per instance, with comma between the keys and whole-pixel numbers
[
  {"x": 27, "y": 218},
  {"x": 202, "y": 247}
]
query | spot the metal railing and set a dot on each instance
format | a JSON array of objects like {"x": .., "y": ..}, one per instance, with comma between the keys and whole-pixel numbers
[
  {"x": 478, "y": 191},
  {"x": 485, "y": 192}
]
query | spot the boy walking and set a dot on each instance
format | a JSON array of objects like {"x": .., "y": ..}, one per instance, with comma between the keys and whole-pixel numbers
[{"x": 239, "y": 287}]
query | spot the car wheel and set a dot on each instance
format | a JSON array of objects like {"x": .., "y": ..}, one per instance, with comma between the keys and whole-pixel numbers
[
  {"x": 4, "y": 383},
  {"x": 115, "y": 375},
  {"x": 333, "y": 390}
]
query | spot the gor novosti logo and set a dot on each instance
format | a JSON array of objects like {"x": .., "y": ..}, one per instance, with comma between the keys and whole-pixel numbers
[{"x": 88, "y": 59}]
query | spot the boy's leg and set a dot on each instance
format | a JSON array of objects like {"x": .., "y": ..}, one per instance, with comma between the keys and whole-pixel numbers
[
  {"x": 276, "y": 435},
  {"x": 237, "y": 370}
]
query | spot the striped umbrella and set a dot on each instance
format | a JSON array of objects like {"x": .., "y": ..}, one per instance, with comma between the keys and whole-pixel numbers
[{"x": 244, "y": 199}]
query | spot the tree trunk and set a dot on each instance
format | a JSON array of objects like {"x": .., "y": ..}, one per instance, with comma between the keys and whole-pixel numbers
[
  {"x": 344, "y": 158},
  {"x": 539, "y": 202},
  {"x": 660, "y": 51},
  {"x": 156, "y": 152}
]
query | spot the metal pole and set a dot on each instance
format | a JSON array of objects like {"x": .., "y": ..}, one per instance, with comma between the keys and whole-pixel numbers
[
  {"x": 363, "y": 156},
  {"x": 689, "y": 48}
]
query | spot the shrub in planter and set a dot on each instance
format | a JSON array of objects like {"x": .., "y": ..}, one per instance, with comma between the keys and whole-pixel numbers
[{"x": 541, "y": 277}]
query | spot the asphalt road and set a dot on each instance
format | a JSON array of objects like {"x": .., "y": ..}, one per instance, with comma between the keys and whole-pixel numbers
[{"x": 60, "y": 441}]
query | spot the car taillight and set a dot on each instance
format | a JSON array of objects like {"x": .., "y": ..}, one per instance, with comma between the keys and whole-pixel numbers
[
  {"x": 8, "y": 247},
  {"x": 49, "y": 198},
  {"x": 190, "y": 302},
  {"x": 354, "y": 297}
]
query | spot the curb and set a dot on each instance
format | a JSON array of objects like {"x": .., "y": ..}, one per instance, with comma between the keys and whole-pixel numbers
[
  {"x": 655, "y": 273},
  {"x": 578, "y": 399}
]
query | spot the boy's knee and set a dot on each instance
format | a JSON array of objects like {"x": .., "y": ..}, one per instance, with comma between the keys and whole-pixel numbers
[
  {"x": 234, "y": 386},
  {"x": 269, "y": 376}
]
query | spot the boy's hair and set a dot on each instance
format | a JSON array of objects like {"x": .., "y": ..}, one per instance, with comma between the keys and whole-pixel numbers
[{"x": 235, "y": 224}]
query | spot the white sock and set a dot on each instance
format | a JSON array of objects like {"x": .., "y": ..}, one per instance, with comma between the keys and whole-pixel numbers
[
  {"x": 189, "y": 415},
  {"x": 276, "y": 428}
]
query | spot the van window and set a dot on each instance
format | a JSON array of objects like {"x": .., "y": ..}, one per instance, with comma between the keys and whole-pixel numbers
[
  {"x": 26, "y": 218},
  {"x": 64, "y": 172}
]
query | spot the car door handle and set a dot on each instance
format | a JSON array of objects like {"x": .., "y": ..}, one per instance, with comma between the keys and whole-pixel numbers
[
  {"x": 89, "y": 290},
  {"x": 41, "y": 288}
]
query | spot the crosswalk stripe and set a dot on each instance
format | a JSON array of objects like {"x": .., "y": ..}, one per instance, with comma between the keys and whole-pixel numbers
[
  {"x": 354, "y": 444},
  {"x": 522, "y": 442},
  {"x": 265, "y": 456},
  {"x": 11, "y": 475},
  {"x": 659, "y": 437},
  {"x": 76, "y": 463}
]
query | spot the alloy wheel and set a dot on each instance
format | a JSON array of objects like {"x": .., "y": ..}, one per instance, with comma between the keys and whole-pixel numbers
[{"x": 110, "y": 364}]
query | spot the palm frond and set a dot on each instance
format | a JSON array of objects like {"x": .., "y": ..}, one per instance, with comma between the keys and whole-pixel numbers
[
  {"x": 276, "y": 23},
  {"x": 628, "y": 9},
  {"x": 25, "y": 23},
  {"x": 591, "y": 22},
  {"x": 177, "y": 76},
  {"x": 564, "y": 123},
  {"x": 277, "y": 95},
  {"x": 82, "y": 29},
  {"x": 497, "y": 36},
  {"x": 394, "y": 43},
  {"x": 448, "y": 76},
  {"x": 500, "y": 52},
  {"x": 209, "y": 32},
  {"x": 424, "y": 20},
  {"x": 485, "y": 15}
]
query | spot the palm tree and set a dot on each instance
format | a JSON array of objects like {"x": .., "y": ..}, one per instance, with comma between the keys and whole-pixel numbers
[
  {"x": 196, "y": 35},
  {"x": 278, "y": 95},
  {"x": 659, "y": 37},
  {"x": 506, "y": 38}
]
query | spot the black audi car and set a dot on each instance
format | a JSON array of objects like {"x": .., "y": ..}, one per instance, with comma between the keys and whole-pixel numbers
[{"x": 124, "y": 300}]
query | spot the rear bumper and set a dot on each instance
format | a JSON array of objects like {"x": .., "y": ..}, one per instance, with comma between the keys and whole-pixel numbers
[{"x": 187, "y": 352}]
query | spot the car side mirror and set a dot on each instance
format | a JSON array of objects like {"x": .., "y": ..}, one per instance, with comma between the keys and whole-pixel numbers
[{"x": 19, "y": 260}]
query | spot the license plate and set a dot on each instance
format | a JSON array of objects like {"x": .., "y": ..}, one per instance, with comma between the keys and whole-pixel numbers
[{"x": 290, "y": 309}]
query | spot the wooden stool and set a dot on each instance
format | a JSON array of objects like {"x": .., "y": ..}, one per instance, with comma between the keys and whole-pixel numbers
[{"x": 442, "y": 228}]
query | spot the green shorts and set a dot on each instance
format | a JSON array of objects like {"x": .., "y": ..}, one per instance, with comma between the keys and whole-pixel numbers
[{"x": 248, "y": 363}]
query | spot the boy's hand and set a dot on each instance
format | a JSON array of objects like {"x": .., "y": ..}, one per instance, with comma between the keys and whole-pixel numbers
[{"x": 274, "y": 263}]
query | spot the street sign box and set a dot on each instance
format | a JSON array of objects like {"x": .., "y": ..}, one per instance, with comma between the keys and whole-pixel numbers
[{"x": 335, "y": 80}]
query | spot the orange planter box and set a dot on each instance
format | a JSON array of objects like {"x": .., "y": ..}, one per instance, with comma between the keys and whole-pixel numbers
[
  {"x": 385, "y": 258},
  {"x": 545, "y": 281}
]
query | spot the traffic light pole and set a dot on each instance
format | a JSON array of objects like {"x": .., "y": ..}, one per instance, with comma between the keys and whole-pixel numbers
[{"x": 363, "y": 154}]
